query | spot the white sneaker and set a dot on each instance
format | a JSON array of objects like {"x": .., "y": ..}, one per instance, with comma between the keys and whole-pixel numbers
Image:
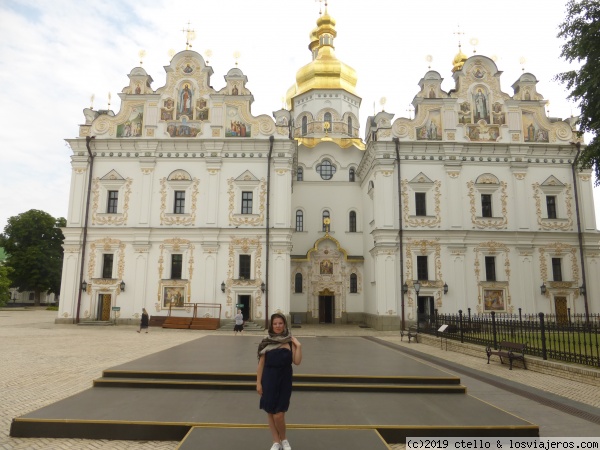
[
  {"x": 276, "y": 446},
  {"x": 286, "y": 445}
]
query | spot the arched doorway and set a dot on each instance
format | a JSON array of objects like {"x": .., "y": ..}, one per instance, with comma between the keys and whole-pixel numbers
[{"x": 326, "y": 306}]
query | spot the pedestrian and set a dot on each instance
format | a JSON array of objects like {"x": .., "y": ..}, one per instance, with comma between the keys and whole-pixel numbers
[
  {"x": 239, "y": 323},
  {"x": 144, "y": 321},
  {"x": 276, "y": 353}
]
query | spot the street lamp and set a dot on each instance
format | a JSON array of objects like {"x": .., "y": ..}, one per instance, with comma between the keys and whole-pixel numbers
[
  {"x": 122, "y": 286},
  {"x": 445, "y": 288},
  {"x": 582, "y": 289},
  {"x": 543, "y": 288},
  {"x": 263, "y": 286},
  {"x": 405, "y": 288},
  {"x": 84, "y": 286},
  {"x": 417, "y": 286},
  {"x": 223, "y": 287}
]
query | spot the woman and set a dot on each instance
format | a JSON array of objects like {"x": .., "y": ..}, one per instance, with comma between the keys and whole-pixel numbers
[
  {"x": 239, "y": 322},
  {"x": 144, "y": 321},
  {"x": 276, "y": 354}
]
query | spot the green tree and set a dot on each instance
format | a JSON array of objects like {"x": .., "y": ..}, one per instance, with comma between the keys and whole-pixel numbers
[
  {"x": 33, "y": 242},
  {"x": 4, "y": 284},
  {"x": 581, "y": 29}
]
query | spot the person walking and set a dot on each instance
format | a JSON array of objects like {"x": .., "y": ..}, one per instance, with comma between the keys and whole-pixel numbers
[
  {"x": 276, "y": 353},
  {"x": 144, "y": 321},
  {"x": 239, "y": 323}
]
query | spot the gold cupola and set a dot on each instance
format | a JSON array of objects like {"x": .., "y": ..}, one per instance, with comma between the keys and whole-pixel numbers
[
  {"x": 459, "y": 60},
  {"x": 325, "y": 71}
]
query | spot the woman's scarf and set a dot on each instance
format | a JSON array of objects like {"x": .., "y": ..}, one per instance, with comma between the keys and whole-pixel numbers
[{"x": 273, "y": 341}]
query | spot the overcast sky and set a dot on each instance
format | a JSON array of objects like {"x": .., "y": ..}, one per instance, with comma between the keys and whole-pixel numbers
[{"x": 55, "y": 54}]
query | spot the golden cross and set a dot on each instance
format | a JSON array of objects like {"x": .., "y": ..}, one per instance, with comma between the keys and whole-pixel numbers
[
  {"x": 320, "y": 2},
  {"x": 190, "y": 36},
  {"x": 458, "y": 33}
]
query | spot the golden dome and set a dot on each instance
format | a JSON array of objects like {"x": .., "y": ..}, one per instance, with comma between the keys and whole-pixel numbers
[
  {"x": 459, "y": 60},
  {"x": 325, "y": 71}
]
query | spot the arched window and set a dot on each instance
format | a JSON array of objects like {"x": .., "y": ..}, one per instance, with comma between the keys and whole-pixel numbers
[
  {"x": 298, "y": 284},
  {"x": 304, "y": 126},
  {"x": 327, "y": 119},
  {"x": 353, "y": 284},
  {"x": 352, "y": 222},
  {"x": 350, "y": 130},
  {"x": 300, "y": 174},
  {"x": 326, "y": 216},
  {"x": 351, "y": 175},
  {"x": 326, "y": 169},
  {"x": 299, "y": 220}
]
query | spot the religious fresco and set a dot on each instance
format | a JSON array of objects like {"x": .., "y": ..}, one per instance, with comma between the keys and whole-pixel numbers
[
  {"x": 483, "y": 133},
  {"x": 432, "y": 130},
  {"x": 185, "y": 101},
  {"x": 493, "y": 300},
  {"x": 481, "y": 108},
  {"x": 531, "y": 131},
  {"x": 166, "y": 112},
  {"x": 326, "y": 267},
  {"x": 173, "y": 296},
  {"x": 188, "y": 69},
  {"x": 201, "y": 109},
  {"x": 133, "y": 126},
  {"x": 236, "y": 126},
  {"x": 183, "y": 129},
  {"x": 464, "y": 114},
  {"x": 498, "y": 117}
]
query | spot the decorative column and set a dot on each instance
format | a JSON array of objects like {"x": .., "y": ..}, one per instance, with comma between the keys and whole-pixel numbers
[{"x": 147, "y": 165}]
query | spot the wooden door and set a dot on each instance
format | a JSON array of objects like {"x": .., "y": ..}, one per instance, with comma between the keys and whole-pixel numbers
[
  {"x": 326, "y": 304},
  {"x": 560, "y": 306},
  {"x": 105, "y": 302}
]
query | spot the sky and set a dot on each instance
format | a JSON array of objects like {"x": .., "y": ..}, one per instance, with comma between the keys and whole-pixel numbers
[{"x": 55, "y": 55}]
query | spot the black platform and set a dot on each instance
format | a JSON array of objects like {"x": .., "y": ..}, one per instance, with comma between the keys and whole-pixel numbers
[{"x": 346, "y": 383}]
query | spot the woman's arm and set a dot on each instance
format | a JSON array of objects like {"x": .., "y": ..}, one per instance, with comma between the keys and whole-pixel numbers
[
  {"x": 297, "y": 351},
  {"x": 259, "y": 372}
]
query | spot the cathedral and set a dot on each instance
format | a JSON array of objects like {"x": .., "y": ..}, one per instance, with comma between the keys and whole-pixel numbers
[{"x": 186, "y": 204}]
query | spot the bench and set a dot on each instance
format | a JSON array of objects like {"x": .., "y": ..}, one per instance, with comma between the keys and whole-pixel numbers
[
  {"x": 411, "y": 333},
  {"x": 511, "y": 350}
]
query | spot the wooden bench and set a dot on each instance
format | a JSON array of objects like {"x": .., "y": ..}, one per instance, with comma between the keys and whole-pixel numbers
[
  {"x": 511, "y": 350},
  {"x": 411, "y": 333}
]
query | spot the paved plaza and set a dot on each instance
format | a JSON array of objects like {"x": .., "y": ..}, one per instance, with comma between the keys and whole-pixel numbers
[{"x": 42, "y": 363}]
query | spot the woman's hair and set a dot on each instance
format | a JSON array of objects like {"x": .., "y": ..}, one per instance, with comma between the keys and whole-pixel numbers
[
  {"x": 144, "y": 311},
  {"x": 280, "y": 316}
]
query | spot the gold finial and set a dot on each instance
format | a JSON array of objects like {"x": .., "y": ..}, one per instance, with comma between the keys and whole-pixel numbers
[
  {"x": 320, "y": 2},
  {"x": 109, "y": 97},
  {"x": 141, "y": 54},
  {"x": 410, "y": 110},
  {"x": 236, "y": 56},
  {"x": 92, "y": 101},
  {"x": 171, "y": 53},
  {"x": 190, "y": 35},
  {"x": 522, "y": 61},
  {"x": 208, "y": 53},
  {"x": 474, "y": 41},
  {"x": 382, "y": 101},
  {"x": 429, "y": 58},
  {"x": 548, "y": 108},
  {"x": 326, "y": 127}
]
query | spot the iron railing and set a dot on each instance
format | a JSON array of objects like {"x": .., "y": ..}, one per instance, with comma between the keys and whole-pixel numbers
[{"x": 567, "y": 337}]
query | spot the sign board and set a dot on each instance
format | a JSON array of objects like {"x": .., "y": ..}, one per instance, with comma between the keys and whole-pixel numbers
[
  {"x": 116, "y": 308},
  {"x": 239, "y": 305},
  {"x": 442, "y": 328}
]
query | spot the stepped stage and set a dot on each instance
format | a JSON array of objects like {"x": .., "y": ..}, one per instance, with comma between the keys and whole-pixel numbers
[{"x": 205, "y": 389}]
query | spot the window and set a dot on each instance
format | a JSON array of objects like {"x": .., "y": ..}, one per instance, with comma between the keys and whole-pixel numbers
[
  {"x": 179, "y": 205},
  {"x": 176, "y": 265},
  {"x": 327, "y": 119},
  {"x": 351, "y": 175},
  {"x": 107, "y": 265},
  {"x": 304, "y": 126},
  {"x": 298, "y": 284},
  {"x": 490, "y": 268},
  {"x": 551, "y": 206},
  {"x": 31, "y": 296},
  {"x": 326, "y": 170},
  {"x": 557, "y": 269},
  {"x": 300, "y": 174},
  {"x": 113, "y": 199},
  {"x": 325, "y": 216},
  {"x": 246, "y": 202},
  {"x": 420, "y": 204},
  {"x": 353, "y": 284},
  {"x": 299, "y": 220},
  {"x": 245, "y": 263},
  {"x": 486, "y": 205},
  {"x": 422, "y": 270},
  {"x": 350, "y": 126},
  {"x": 352, "y": 222}
]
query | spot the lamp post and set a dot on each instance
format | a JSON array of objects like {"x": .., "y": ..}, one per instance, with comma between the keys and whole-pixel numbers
[
  {"x": 543, "y": 288},
  {"x": 417, "y": 286}
]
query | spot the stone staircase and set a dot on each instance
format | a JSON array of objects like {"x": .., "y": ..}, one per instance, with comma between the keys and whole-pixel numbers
[{"x": 96, "y": 323}]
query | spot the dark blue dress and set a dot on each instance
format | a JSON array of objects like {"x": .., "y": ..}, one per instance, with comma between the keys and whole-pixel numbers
[{"x": 277, "y": 381}]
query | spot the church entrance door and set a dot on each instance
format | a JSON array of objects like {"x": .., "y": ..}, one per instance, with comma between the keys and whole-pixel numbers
[
  {"x": 425, "y": 311},
  {"x": 244, "y": 300},
  {"x": 104, "y": 303},
  {"x": 326, "y": 305},
  {"x": 560, "y": 305}
]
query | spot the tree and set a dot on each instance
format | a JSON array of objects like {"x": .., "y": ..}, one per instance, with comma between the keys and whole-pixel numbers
[
  {"x": 581, "y": 29},
  {"x": 4, "y": 284},
  {"x": 33, "y": 242}
]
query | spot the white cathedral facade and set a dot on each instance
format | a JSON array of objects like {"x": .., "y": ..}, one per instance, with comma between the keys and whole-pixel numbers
[{"x": 185, "y": 197}]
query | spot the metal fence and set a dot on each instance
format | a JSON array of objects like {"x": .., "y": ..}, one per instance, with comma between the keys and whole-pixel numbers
[{"x": 569, "y": 337}]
